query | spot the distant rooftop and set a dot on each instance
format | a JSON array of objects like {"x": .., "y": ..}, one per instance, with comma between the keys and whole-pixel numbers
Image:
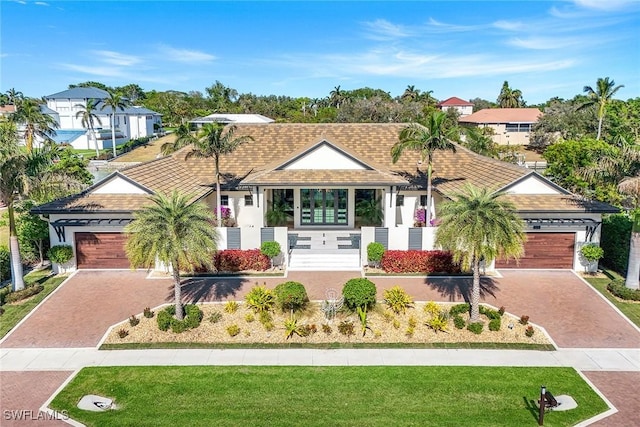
[
  {"x": 233, "y": 118},
  {"x": 80, "y": 93},
  {"x": 503, "y": 115},
  {"x": 455, "y": 102}
]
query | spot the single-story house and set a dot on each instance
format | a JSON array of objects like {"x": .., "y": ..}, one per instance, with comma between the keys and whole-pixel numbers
[
  {"x": 509, "y": 125},
  {"x": 464, "y": 108},
  {"x": 131, "y": 122},
  {"x": 318, "y": 174}
]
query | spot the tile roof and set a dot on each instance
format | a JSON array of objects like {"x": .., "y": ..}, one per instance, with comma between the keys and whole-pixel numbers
[
  {"x": 503, "y": 115},
  {"x": 557, "y": 203},
  {"x": 454, "y": 101}
]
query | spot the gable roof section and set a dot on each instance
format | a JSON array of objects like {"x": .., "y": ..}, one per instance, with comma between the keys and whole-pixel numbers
[
  {"x": 160, "y": 175},
  {"x": 80, "y": 93},
  {"x": 503, "y": 115},
  {"x": 534, "y": 175},
  {"x": 565, "y": 203},
  {"x": 454, "y": 101}
]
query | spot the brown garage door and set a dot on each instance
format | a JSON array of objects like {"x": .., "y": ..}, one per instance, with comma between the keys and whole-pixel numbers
[
  {"x": 544, "y": 250},
  {"x": 101, "y": 250}
]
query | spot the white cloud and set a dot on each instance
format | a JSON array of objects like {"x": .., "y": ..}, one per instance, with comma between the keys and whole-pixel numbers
[
  {"x": 545, "y": 43},
  {"x": 116, "y": 58},
  {"x": 438, "y": 26},
  {"x": 507, "y": 25},
  {"x": 41, "y": 3},
  {"x": 94, "y": 70},
  {"x": 381, "y": 29},
  {"x": 184, "y": 55},
  {"x": 604, "y": 5}
]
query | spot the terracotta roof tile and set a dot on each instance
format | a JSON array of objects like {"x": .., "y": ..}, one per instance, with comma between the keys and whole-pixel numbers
[
  {"x": 503, "y": 115},
  {"x": 454, "y": 101}
]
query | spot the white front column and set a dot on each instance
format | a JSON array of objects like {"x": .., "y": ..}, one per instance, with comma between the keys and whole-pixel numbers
[{"x": 389, "y": 207}]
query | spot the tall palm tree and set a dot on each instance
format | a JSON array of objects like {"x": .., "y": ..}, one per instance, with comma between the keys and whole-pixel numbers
[
  {"x": 14, "y": 96},
  {"x": 213, "y": 142},
  {"x": 88, "y": 119},
  {"x": 336, "y": 97},
  {"x": 411, "y": 93},
  {"x": 623, "y": 168},
  {"x": 480, "y": 143},
  {"x": 23, "y": 174},
  {"x": 175, "y": 232},
  {"x": 477, "y": 224},
  {"x": 115, "y": 102},
  {"x": 601, "y": 96},
  {"x": 509, "y": 98},
  {"x": 36, "y": 123},
  {"x": 426, "y": 140},
  {"x": 183, "y": 137}
]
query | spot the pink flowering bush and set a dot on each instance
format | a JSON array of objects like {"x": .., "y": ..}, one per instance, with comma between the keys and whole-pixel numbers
[{"x": 227, "y": 219}]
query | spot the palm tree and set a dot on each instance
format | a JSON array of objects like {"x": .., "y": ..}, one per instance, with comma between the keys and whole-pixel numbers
[
  {"x": 623, "y": 168},
  {"x": 183, "y": 137},
  {"x": 480, "y": 143},
  {"x": 14, "y": 96},
  {"x": 214, "y": 142},
  {"x": 116, "y": 102},
  {"x": 411, "y": 93},
  {"x": 336, "y": 97},
  {"x": 35, "y": 122},
  {"x": 477, "y": 224},
  {"x": 88, "y": 118},
  {"x": 509, "y": 98},
  {"x": 426, "y": 140},
  {"x": 601, "y": 96},
  {"x": 175, "y": 232},
  {"x": 25, "y": 174}
]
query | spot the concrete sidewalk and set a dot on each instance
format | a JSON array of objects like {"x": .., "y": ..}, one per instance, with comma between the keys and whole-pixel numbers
[{"x": 67, "y": 359}]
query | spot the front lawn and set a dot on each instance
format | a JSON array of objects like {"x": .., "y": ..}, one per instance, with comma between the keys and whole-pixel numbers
[
  {"x": 326, "y": 396},
  {"x": 15, "y": 312},
  {"x": 630, "y": 309}
]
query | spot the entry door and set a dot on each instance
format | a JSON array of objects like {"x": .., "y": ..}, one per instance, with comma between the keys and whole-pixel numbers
[{"x": 323, "y": 207}]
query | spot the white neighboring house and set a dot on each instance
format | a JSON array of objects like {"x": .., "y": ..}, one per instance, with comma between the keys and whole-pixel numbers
[
  {"x": 130, "y": 123},
  {"x": 511, "y": 126},
  {"x": 464, "y": 108}
]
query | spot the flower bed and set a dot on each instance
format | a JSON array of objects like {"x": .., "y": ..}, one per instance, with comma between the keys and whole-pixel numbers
[
  {"x": 414, "y": 261},
  {"x": 234, "y": 260},
  {"x": 383, "y": 326}
]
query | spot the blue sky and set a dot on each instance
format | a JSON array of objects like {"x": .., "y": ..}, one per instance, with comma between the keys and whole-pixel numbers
[{"x": 455, "y": 48}]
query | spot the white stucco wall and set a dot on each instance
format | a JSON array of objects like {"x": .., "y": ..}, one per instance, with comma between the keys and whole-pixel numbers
[
  {"x": 533, "y": 185},
  {"x": 118, "y": 185},
  {"x": 324, "y": 157}
]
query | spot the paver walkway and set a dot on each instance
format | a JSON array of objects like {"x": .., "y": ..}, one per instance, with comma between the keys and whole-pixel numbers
[{"x": 621, "y": 388}]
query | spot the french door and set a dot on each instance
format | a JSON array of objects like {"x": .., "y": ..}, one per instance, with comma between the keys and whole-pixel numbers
[{"x": 324, "y": 207}]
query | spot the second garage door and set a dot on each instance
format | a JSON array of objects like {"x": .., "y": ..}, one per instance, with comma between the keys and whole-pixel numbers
[
  {"x": 101, "y": 250},
  {"x": 544, "y": 250}
]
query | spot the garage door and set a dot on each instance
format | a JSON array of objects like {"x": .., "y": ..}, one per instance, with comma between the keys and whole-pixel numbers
[
  {"x": 544, "y": 250},
  {"x": 101, "y": 250}
]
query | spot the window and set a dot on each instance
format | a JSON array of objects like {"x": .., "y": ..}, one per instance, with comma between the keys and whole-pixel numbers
[
  {"x": 248, "y": 200},
  {"x": 224, "y": 200},
  {"x": 423, "y": 200},
  {"x": 399, "y": 200},
  {"x": 518, "y": 127}
]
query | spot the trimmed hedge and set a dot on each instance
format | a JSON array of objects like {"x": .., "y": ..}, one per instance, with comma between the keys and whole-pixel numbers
[
  {"x": 618, "y": 288},
  {"x": 615, "y": 240},
  {"x": 5, "y": 266},
  {"x": 413, "y": 261},
  {"x": 239, "y": 260},
  {"x": 291, "y": 295},
  {"x": 359, "y": 292},
  {"x": 192, "y": 318},
  {"x": 27, "y": 292}
]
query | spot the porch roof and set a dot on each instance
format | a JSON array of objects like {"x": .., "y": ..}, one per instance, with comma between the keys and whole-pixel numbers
[{"x": 557, "y": 203}]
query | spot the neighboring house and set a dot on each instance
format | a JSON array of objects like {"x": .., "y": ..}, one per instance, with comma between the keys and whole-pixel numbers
[
  {"x": 130, "y": 123},
  {"x": 6, "y": 110},
  {"x": 322, "y": 171},
  {"x": 509, "y": 125},
  {"x": 231, "y": 118},
  {"x": 464, "y": 108}
]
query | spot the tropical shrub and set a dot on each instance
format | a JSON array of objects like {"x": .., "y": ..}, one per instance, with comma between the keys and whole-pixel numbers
[
  {"x": 260, "y": 299},
  {"x": 432, "y": 308},
  {"x": 291, "y": 295},
  {"x": 231, "y": 307},
  {"x": 249, "y": 317},
  {"x": 27, "y": 292},
  {"x": 397, "y": 299},
  {"x": 459, "y": 309},
  {"x": 524, "y": 319},
  {"x": 438, "y": 322},
  {"x": 233, "y": 330},
  {"x": 240, "y": 260},
  {"x": 326, "y": 328},
  {"x": 346, "y": 328},
  {"x": 362, "y": 315},
  {"x": 193, "y": 317},
  {"x": 5, "y": 266},
  {"x": 375, "y": 251},
  {"x": 291, "y": 327},
  {"x": 615, "y": 240},
  {"x": 412, "y": 322},
  {"x": 494, "y": 324},
  {"x": 265, "y": 317},
  {"x": 122, "y": 333},
  {"x": 618, "y": 288},
  {"x": 529, "y": 331},
  {"x": 489, "y": 312},
  {"x": 359, "y": 292},
  {"x": 133, "y": 320},
  {"x": 591, "y": 252},
  {"x": 215, "y": 317},
  {"x": 459, "y": 322},
  {"x": 414, "y": 261},
  {"x": 60, "y": 254},
  {"x": 147, "y": 312},
  {"x": 475, "y": 327}
]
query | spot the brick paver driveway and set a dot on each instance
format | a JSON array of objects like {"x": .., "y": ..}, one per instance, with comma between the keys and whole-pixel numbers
[{"x": 79, "y": 313}]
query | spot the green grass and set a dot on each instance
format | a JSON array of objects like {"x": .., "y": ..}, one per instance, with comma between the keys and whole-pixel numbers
[
  {"x": 335, "y": 345},
  {"x": 14, "y": 313},
  {"x": 326, "y": 396},
  {"x": 629, "y": 308}
]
